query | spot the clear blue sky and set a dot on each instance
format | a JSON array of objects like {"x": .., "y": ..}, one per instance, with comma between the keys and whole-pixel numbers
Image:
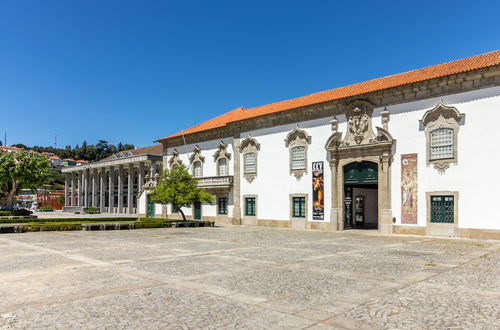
[{"x": 135, "y": 71}]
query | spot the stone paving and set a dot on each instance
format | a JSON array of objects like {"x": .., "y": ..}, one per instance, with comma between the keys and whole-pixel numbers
[{"x": 246, "y": 277}]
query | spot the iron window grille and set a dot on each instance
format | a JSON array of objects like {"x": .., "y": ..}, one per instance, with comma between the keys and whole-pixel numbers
[
  {"x": 299, "y": 207},
  {"x": 442, "y": 209}
]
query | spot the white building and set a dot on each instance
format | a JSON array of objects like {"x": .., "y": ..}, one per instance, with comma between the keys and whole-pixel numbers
[{"x": 405, "y": 153}]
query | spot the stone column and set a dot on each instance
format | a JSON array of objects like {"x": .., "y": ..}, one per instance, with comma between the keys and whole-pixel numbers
[
  {"x": 80, "y": 188},
  {"x": 130, "y": 190},
  {"x": 111, "y": 190},
  {"x": 120, "y": 189},
  {"x": 334, "y": 212},
  {"x": 140, "y": 181},
  {"x": 86, "y": 188},
  {"x": 95, "y": 186},
  {"x": 236, "y": 181},
  {"x": 73, "y": 189},
  {"x": 153, "y": 169},
  {"x": 102, "y": 190},
  {"x": 384, "y": 190},
  {"x": 66, "y": 190}
]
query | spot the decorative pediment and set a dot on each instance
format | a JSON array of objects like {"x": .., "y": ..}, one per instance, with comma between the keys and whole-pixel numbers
[
  {"x": 174, "y": 160},
  {"x": 442, "y": 110},
  {"x": 196, "y": 155},
  {"x": 221, "y": 152},
  {"x": 297, "y": 136},
  {"x": 249, "y": 142},
  {"x": 359, "y": 124}
]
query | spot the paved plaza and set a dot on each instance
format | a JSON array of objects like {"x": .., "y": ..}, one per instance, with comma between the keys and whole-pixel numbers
[{"x": 246, "y": 277}]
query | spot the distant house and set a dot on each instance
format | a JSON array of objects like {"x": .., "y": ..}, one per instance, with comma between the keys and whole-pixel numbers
[
  {"x": 55, "y": 161},
  {"x": 10, "y": 149},
  {"x": 81, "y": 162},
  {"x": 68, "y": 162}
]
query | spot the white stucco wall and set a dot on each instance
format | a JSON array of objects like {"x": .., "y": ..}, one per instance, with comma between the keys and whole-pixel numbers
[
  {"x": 478, "y": 153},
  {"x": 274, "y": 182},
  {"x": 208, "y": 149}
]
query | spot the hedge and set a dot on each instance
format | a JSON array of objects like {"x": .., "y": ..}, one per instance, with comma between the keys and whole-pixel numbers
[
  {"x": 66, "y": 220},
  {"x": 20, "y": 212}
]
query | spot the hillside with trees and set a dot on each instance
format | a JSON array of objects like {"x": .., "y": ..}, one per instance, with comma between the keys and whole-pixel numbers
[{"x": 88, "y": 152}]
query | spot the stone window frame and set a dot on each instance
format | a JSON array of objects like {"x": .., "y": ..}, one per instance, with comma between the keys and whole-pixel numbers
[
  {"x": 196, "y": 157},
  {"x": 245, "y": 207},
  {"x": 221, "y": 153},
  {"x": 449, "y": 229},
  {"x": 250, "y": 145},
  {"x": 175, "y": 159},
  {"x": 297, "y": 138},
  {"x": 306, "y": 207},
  {"x": 442, "y": 116}
]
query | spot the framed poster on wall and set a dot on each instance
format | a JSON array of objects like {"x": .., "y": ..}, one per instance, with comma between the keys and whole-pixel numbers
[{"x": 318, "y": 191}]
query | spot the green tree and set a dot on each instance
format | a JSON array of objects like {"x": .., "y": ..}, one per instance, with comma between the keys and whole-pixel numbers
[
  {"x": 21, "y": 170},
  {"x": 178, "y": 188}
]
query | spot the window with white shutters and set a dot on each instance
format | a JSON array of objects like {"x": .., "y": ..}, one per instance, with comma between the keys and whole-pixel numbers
[
  {"x": 441, "y": 144},
  {"x": 197, "y": 169},
  {"x": 250, "y": 160},
  {"x": 298, "y": 158},
  {"x": 223, "y": 167}
]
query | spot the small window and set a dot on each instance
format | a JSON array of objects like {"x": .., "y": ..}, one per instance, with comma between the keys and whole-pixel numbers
[
  {"x": 250, "y": 160},
  {"x": 441, "y": 143},
  {"x": 223, "y": 167},
  {"x": 223, "y": 205},
  {"x": 299, "y": 207},
  {"x": 442, "y": 209},
  {"x": 197, "y": 169},
  {"x": 298, "y": 158},
  {"x": 250, "y": 206}
]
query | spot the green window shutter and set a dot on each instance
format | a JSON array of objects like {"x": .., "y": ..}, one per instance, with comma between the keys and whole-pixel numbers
[
  {"x": 442, "y": 209},
  {"x": 299, "y": 207},
  {"x": 222, "y": 205},
  {"x": 250, "y": 206}
]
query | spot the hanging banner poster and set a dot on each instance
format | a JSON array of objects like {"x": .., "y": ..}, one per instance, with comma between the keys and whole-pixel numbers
[
  {"x": 318, "y": 191},
  {"x": 409, "y": 189}
]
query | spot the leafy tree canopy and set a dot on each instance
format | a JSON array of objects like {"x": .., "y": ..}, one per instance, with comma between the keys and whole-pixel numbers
[
  {"x": 21, "y": 170},
  {"x": 89, "y": 152},
  {"x": 178, "y": 188}
]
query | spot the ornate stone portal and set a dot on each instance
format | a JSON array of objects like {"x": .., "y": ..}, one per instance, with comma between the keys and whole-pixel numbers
[{"x": 361, "y": 144}]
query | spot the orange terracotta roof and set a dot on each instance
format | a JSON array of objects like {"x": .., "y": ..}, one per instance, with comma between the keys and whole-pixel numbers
[{"x": 406, "y": 78}]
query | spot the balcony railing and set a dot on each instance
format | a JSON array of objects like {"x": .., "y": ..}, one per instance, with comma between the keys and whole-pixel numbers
[{"x": 215, "y": 182}]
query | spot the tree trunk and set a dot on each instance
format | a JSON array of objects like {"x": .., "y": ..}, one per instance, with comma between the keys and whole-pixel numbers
[
  {"x": 9, "y": 202},
  {"x": 182, "y": 213},
  {"x": 9, "y": 199}
]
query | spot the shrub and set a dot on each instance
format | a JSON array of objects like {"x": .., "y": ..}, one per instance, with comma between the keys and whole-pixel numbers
[
  {"x": 45, "y": 208},
  {"x": 54, "y": 227},
  {"x": 20, "y": 212},
  {"x": 92, "y": 210}
]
